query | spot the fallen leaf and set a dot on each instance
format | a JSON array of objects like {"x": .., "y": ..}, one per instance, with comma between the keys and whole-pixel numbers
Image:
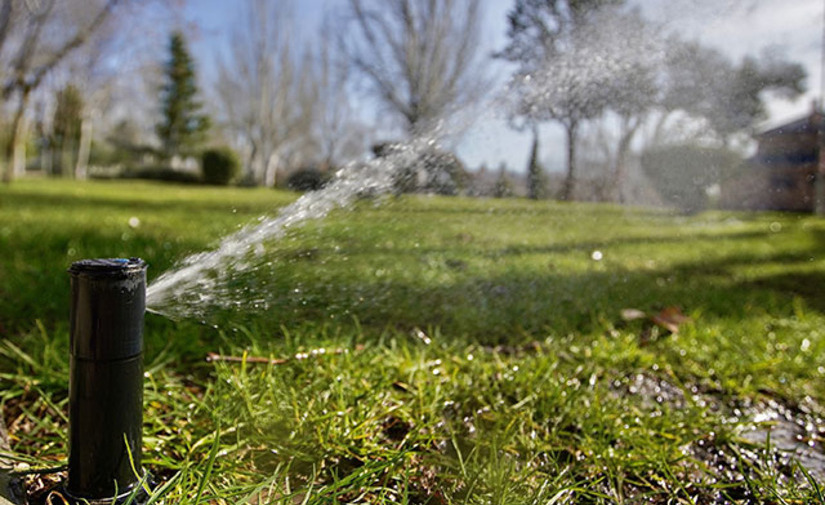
[{"x": 670, "y": 318}]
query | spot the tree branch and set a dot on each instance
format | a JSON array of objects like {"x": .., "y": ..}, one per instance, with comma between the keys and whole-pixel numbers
[{"x": 21, "y": 80}]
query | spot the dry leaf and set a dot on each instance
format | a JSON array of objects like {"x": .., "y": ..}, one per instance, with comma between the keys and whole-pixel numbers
[{"x": 670, "y": 318}]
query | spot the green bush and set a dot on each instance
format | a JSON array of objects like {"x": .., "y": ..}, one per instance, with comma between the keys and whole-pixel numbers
[
  {"x": 682, "y": 174},
  {"x": 433, "y": 170},
  {"x": 160, "y": 173},
  {"x": 220, "y": 166},
  {"x": 307, "y": 179}
]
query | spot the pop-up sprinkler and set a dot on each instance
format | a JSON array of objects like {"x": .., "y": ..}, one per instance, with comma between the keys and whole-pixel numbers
[{"x": 106, "y": 381}]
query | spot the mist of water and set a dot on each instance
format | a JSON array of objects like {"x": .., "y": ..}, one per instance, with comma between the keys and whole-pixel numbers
[
  {"x": 598, "y": 67},
  {"x": 199, "y": 282}
]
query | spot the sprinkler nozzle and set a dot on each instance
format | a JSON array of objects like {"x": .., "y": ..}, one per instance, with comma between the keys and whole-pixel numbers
[{"x": 106, "y": 380}]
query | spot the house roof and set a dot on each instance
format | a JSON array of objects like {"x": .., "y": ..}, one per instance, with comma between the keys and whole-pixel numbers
[{"x": 806, "y": 124}]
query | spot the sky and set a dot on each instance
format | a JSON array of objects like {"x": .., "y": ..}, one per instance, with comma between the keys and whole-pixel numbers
[{"x": 737, "y": 27}]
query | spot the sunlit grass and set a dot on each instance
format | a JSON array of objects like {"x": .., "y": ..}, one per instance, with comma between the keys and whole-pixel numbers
[{"x": 439, "y": 350}]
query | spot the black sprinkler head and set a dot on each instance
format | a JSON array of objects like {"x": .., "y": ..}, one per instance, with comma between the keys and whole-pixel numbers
[{"x": 106, "y": 381}]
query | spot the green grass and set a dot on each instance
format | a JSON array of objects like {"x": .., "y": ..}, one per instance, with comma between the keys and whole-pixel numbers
[{"x": 474, "y": 351}]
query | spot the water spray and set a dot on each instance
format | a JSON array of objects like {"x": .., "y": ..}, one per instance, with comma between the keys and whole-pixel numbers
[{"x": 106, "y": 381}]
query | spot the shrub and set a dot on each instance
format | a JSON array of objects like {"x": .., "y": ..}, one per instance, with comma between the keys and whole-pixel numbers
[
  {"x": 220, "y": 166},
  {"x": 307, "y": 179},
  {"x": 431, "y": 171},
  {"x": 161, "y": 173},
  {"x": 682, "y": 174},
  {"x": 503, "y": 187}
]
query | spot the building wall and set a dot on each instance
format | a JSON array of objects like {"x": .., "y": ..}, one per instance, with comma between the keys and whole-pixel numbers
[{"x": 781, "y": 175}]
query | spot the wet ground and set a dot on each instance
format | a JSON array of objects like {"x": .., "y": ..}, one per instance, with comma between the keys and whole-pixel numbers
[
  {"x": 792, "y": 433},
  {"x": 769, "y": 435},
  {"x": 770, "y": 432}
]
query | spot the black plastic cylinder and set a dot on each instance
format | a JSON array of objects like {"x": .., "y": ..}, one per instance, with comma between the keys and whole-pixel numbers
[{"x": 106, "y": 382}]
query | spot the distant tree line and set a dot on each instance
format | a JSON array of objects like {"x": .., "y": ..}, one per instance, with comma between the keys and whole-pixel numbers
[
  {"x": 583, "y": 61},
  {"x": 291, "y": 106}
]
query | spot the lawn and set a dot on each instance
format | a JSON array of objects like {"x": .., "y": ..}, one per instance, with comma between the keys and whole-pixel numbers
[{"x": 440, "y": 350}]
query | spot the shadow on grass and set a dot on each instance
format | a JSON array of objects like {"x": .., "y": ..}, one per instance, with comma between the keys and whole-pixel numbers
[
  {"x": 525, "y": 305},
  {"x": 807, "y": 286},
  {"x": 34, "y": 284},
  {"x": 526, "y": 301}
]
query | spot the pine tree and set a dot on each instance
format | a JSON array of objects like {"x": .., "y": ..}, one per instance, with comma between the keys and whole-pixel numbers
[
  {"x": 536, "y": 180},
  {"x": 183, "y": 125},
  {"x": 503, "y": 187}
]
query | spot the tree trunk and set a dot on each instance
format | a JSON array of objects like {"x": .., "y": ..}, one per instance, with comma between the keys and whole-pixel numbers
[
  {"x": 19, "y": 152},
  {"x": 659, "y": 129},
  {"x": 620, "y": 170},
  {"x": 46, "y": 159},
  {"x": 57, "y": 159},
  {"x": 250, "y": 168},
  {"x": 271, "y": 170},
  {"x": 66, "y": 155},
  {"x": 534, "y": 178},
  {"x": 15, "y": 149},
  {"x": 84, "y": 148},
  {"x": 260, "y": 161},
  {"x": 570, "y": 180}
]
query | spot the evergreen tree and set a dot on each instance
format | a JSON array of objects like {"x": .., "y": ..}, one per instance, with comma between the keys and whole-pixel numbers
[
  {"x": 536, "y": 180},
  {"x": 183, "y": 125},
  {"x": 503, "y": 188}
]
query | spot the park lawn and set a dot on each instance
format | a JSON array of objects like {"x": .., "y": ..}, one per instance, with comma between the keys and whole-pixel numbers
[{"x": 441, "y": 350}]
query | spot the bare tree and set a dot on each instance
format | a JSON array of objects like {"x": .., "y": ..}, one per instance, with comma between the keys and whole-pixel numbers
[
  {"x": 340, "y": 136},
  {"x": 285, "y": 103},
  {"x": 87, "y": 70},
  {"x": 418, "y": 58},
  {"x": 35, "y": 37},
  {"x": 257, "y": 88}
]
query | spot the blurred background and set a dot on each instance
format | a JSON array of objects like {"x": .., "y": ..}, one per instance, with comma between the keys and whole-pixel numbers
[{"x": 639, "y": 101}]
